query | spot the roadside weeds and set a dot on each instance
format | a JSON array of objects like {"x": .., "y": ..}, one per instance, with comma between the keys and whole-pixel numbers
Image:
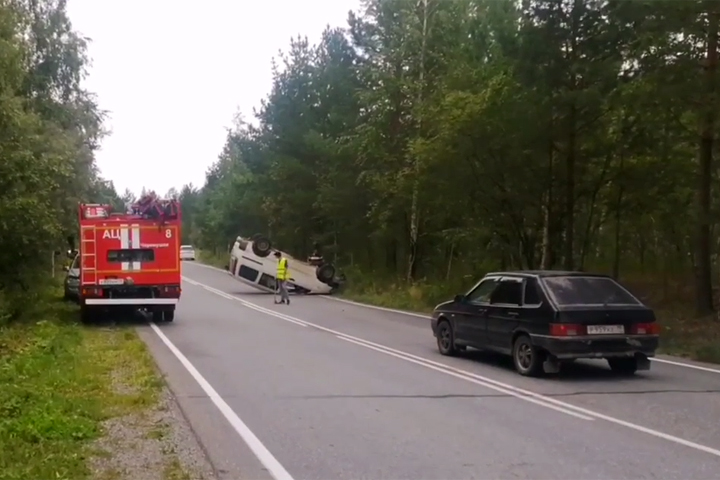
[{"x": 87, "y": 402}]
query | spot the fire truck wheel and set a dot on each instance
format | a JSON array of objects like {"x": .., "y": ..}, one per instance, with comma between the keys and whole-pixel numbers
[
  {"x": 169, "y": 315},
  {"x": 157, "y": 316},
  {"x": 261, "y": 246},
  {"x": 87, "y": 315}
]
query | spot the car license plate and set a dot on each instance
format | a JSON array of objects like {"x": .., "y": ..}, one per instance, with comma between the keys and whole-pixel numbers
[
  {"x": 605, "y": 329},
  {"x": 111, "y": 281}
]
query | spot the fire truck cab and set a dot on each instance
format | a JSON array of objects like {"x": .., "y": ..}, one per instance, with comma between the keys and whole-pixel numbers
[{"x": 130, "y": 260}]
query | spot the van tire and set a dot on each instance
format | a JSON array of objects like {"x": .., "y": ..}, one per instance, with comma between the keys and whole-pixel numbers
[
  {"x": 261, "y": 246},
  {"x": 325, "y": 272}
]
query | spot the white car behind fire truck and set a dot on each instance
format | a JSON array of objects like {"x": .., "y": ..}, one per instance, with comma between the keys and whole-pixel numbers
[{"x": 251, "y": 262}]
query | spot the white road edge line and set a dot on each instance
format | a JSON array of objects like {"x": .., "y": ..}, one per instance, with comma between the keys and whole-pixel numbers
[
  {"x": 686, "y": 365},
  {"x": 469, "y": 379},
  {"x": 375, "y": 307},
  {"x": 418, "y": 315},
  {"x": 267, "y": 459},
  {"x": 520, "y": 393}
]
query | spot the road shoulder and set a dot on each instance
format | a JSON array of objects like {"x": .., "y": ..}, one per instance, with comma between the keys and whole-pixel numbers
[{"x": 87, "y": 402}]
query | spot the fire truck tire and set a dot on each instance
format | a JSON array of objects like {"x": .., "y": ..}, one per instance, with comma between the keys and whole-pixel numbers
[
  {"x": 325, "y": 272},
  {"x": 169, "y": 315},
  {"x": 261, "y": 246},
  {"x": 157, "y": 316},
  {"x": 87, "y": 315}
]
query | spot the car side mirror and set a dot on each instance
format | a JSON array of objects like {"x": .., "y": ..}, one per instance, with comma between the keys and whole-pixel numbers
[{"x": 459, "y": 298}]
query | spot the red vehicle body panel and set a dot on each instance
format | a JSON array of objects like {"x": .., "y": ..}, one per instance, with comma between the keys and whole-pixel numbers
[{"x": 127, "y": 249}]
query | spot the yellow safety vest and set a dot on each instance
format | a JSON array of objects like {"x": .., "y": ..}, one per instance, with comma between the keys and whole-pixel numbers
[{"x": 282, "y": 269}]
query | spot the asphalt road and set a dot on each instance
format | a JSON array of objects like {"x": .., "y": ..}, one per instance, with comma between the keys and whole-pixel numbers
[{"x": 323, "y": 389}]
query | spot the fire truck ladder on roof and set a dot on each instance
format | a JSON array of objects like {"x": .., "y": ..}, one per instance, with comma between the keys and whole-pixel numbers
[{"x": 88, "y": 261}]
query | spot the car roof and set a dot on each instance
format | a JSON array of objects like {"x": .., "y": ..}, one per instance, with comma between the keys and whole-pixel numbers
[{"x": 547, "y": 273}]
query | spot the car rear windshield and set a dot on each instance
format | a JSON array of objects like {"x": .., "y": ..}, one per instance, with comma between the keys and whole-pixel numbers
[
  {"x": 578, "y": 290},
  {"x": 186, "y": 247},
  {"x": 131, "y": 255}
]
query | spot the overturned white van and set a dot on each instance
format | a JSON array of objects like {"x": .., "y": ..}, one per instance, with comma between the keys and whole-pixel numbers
[{"x": 251, "y": 262}]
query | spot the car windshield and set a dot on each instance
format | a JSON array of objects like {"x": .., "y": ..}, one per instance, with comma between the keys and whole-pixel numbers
[
  {"x": 186, "y": 247},
  {"x": 578, "y": 290}
]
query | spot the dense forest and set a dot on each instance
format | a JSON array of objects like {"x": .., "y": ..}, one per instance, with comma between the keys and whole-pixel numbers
[
  {"x": 431, "y": 141},
  {"x": 50, "y": 127}
]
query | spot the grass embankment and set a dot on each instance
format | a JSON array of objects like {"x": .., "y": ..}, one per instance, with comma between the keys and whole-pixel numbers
[
  {"x": 61, "y": 385},
  {"x": 210, "y": 258}
]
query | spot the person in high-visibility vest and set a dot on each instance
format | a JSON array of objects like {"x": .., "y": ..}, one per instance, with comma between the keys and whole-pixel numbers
[{"x": 282, "y": 276}]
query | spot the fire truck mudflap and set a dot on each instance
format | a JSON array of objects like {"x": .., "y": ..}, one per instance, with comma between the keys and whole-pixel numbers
[{"x": 130, "y": 260}]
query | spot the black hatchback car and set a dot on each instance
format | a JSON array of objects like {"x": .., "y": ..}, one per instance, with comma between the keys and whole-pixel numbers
[{"x": 543, "y": 318}]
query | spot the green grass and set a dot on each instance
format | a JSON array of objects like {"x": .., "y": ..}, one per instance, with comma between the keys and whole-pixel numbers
[
  {"x": 210, "y": 258},
  {"x": 58, "y": 381}
]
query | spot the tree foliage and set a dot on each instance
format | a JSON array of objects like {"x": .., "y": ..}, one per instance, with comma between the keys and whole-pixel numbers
[
  {"x": 434, "y": 140},
  {"x": 50, "y": 128}
]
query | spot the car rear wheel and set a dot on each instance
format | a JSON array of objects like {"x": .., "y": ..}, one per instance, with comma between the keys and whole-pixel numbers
[
  {"x": 527, "y": 358},
  {"x": 623, "y": 366},
  {"x": 261, "y": 246},
  {"x": 446, "y": 339}
]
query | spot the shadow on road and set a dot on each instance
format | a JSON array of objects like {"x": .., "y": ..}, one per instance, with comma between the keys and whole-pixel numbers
[{"x": 575, "y": 372}]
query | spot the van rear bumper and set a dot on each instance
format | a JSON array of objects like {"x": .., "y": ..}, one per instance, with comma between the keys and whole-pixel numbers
[{"x": 131, "y": 301}]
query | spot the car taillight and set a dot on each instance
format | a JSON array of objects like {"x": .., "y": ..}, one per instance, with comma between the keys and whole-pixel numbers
[
  {"x": 645, "y": 329},
  {"x": 91, "y": 292},
  {"x": 566, "y": 330}
]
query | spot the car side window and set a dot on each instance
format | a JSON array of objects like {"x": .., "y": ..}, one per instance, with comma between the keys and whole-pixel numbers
[
  {"x": 481, "y": 293},
  {"x": 532, "y": 296},
  {"x": 509, "y": 292}
]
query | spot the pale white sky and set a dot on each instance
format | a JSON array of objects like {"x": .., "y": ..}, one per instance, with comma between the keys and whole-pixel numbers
[{"x": 172, "y": 75}]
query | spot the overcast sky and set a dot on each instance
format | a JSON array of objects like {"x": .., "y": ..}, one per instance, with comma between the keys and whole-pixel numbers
[{"x": 172, "y": 75}]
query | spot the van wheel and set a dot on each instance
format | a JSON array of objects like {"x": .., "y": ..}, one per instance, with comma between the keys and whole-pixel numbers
[
  {"x": 325, "y": 273},
  {"x": 261, "y": 246}
]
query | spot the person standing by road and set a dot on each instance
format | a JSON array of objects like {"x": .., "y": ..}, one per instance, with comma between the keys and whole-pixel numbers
[{"x": 282, "y": 276}]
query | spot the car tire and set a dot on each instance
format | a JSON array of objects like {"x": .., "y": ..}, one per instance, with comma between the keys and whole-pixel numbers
[
  {"x": 261, "y": 246},
  {"x": 528, "y": 360},
  {"x": 325, "y": 272},
  {"x": 446, "y": 339},
  {"x": 623, "y": 366}
]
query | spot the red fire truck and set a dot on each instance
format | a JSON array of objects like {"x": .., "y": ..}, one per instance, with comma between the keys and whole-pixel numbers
[{"x": 130, "y": 260}]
